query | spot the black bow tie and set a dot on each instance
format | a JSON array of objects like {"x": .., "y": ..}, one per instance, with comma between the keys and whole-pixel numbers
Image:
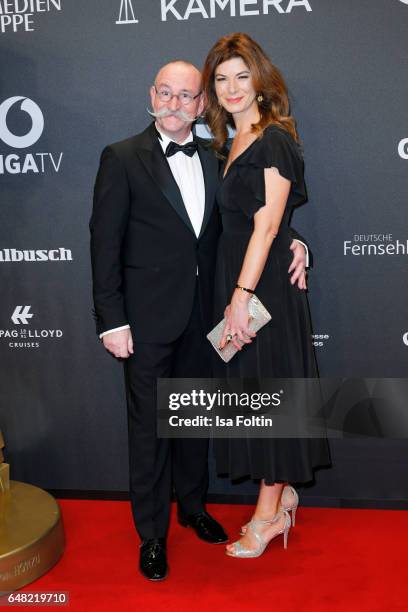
[{"x": 188, "y": 149}]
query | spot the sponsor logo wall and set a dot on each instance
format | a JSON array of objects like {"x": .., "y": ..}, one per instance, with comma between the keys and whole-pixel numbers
[{"x": 63, "y": 101}]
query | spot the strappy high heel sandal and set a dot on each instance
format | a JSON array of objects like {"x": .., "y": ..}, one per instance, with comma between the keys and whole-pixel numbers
[
  {"x": 289, "y": 506},
  {"x": 241, "y": 552}
]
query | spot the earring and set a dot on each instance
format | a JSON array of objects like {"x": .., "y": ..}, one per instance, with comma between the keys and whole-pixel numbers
[{"x": 260, "y": 98}]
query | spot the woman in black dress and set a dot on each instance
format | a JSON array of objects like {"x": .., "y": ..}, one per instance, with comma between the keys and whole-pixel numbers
[{"x": 262, "y": 181}]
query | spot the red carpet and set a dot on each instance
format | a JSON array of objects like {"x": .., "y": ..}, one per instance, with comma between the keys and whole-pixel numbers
[{"x": 336, "y": 560}]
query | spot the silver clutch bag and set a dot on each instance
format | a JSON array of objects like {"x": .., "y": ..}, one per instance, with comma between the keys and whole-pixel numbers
[{"x": 259, "y": 317}]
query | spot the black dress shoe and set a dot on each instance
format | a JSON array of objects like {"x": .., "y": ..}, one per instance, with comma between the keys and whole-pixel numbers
[
  {"x": 205, "y": 526},
  {"x": 153, "y": 560}
]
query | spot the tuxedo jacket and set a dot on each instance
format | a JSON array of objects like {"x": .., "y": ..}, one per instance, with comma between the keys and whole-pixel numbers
[{"x": 145, "y": 253}]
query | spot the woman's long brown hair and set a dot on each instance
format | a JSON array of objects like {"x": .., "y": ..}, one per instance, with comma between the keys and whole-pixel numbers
[{"x": 266, "y": 78}]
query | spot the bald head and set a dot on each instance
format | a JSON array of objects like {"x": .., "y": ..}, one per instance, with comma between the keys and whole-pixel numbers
[
  {"x": 182, "y": 103},
  {"x": 181, "y": 70}
]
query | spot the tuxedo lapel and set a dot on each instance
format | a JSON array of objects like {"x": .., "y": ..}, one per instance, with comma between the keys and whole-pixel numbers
[
  {"x": 165, "y": 180},
  {"x": 156, "y": 164},
  {"x": 209, "y": 164}
]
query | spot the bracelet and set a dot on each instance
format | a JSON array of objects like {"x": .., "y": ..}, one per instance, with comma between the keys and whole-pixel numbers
[{"x": 244, "y": 289}]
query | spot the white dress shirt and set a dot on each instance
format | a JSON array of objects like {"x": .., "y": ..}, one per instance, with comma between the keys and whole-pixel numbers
[{"x": 188, "y": 174}]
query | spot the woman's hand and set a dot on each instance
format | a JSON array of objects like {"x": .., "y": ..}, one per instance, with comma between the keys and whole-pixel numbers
[{"x": 237, "y": 321}]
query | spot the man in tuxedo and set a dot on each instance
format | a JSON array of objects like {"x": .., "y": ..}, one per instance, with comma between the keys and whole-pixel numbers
[{"x": 154, "y": 231}]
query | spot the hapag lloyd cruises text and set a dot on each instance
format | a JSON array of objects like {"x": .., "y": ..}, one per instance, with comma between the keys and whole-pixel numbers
[
  {"x": 28, "y": 338},
  {"x": 210, "y": 9}
]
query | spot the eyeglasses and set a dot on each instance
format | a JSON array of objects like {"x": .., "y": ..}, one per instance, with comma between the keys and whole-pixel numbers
[{"x": 185, "y": 98}]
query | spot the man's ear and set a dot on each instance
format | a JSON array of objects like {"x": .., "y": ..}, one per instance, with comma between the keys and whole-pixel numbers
[
  {"x": 153, "y": 95},
  {"x": 202, "y": 105}
]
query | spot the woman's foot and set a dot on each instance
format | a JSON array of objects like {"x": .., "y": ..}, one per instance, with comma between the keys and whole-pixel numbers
[
  {"x": 258, "y": 534},
  {"x": 289, "y": 501}
]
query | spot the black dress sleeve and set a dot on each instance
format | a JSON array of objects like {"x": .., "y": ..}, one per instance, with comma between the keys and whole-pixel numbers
[{"x": 276, "y": 148}]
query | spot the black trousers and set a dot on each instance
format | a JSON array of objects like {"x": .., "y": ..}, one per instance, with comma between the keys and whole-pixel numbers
[{"x": 156, "y": 465}]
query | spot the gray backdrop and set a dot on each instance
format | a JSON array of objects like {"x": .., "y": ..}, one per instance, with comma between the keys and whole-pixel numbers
[{"x": 74, "y": 80}]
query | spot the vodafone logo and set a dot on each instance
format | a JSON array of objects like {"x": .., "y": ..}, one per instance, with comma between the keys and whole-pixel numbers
[
  {"x": 404, "y": 1},
  {"x": 403, "y": 144},
  {"x": 37, "y": 122},
  {"x": 405, "y": 336}
]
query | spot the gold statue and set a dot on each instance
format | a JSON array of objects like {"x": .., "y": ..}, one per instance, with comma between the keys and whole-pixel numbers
[
  {"x": 4, "y": 469},
  {"x": 31, "y": 531}
]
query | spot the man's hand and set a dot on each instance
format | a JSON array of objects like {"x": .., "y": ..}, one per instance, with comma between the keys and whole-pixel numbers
[
  {"x": 119, "y": 343},
  {"x": 297, "y": 268}
]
